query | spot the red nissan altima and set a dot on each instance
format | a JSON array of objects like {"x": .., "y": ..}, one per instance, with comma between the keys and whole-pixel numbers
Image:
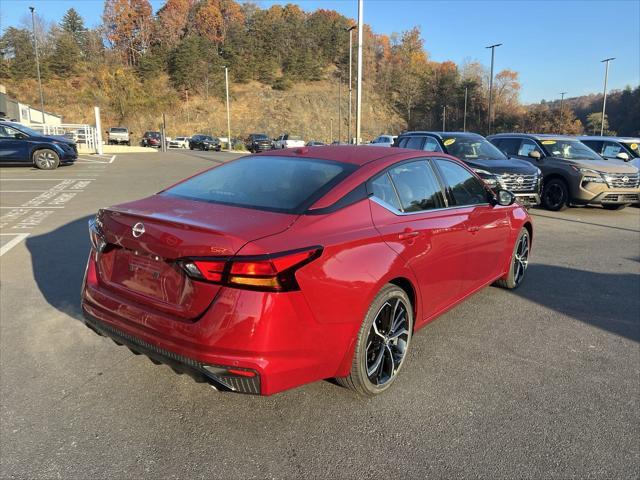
[{"x": 288, "y": 267}]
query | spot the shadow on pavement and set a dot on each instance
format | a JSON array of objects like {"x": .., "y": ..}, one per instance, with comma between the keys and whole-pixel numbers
[
  {"x": 58, "y": 259},
  {"x": 609, "y": 301}
]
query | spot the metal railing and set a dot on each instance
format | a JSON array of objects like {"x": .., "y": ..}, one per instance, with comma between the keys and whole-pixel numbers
[{"x": 83, "y": 134}]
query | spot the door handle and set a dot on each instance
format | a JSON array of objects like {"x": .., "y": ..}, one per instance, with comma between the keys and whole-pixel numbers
[
  {"x": 473, "y": 229},
  {"x": 408, "y": 235}
]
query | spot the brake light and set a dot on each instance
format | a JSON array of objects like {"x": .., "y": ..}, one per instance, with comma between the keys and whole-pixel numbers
[{"x": 269, "y": 272}]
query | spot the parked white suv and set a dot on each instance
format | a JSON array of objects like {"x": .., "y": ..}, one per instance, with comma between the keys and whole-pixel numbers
[
  {"x": 383, "y": 140},
  {"x": 288, "y": 141},
  {"x": 179, "y": 142}
]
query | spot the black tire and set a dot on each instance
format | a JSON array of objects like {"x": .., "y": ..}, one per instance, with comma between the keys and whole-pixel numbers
[
  {"x": 519, "y": 262},
  {"x": 45, "y": 159},
  {"x": 371, "y": 380},
  {"x": 614, "y": 206},
  {"x": 555, "y": 195}
]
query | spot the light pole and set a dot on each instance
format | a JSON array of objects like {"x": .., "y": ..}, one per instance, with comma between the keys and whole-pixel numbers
[
  {"x": 359, "y": 81},
  {"x": 562, "y": 94},
  {"x": 35, "y": 44},
  {"x": 339, "y": 107},
  {"x": 444, "y": 116},
  {"x": 464, "y": 118},
  {"x": 226, "y": 81},
  {"x": 493, "y": 51},
  {"x": 350, "y": 30},
  {"x": 604, "y": 100}
]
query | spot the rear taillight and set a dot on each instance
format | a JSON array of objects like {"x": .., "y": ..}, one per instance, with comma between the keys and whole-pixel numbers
[{"x": 268, "y": 272}]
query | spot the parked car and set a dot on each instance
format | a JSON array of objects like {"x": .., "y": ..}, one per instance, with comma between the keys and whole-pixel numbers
[
  {"x": 383, "y": 140},
  {"x": 626, "y": 149},
  {"x": 288, "y": 141},
  {"x": 573, "y": 173},
  {"x": 118, "y": 136},
  {"x": 179, "y": 142},
  {"x": 20, "y": 145},
  {"x": 283, "y": 268},
  {"x": 204, "y": 142},
  {"x": 257, "y": 142},
  {"x": 315, "y": 143},
  {"x": 151, "y": 139},
  {"x": 493, "y": 166}
]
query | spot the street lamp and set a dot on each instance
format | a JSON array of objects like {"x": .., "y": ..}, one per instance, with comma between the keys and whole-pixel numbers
[
  {"x": 604, "y": 100},
  {"x": 562, "y": 94},
  {"x": 226, "y": 81},
  {"x": 35, "y": 44},
  {"x": 464, "y": 118},
  {"x": 359, "y": 80},
  {"x": 350, "y": 30},
  {"x": 493, "y": 50}
]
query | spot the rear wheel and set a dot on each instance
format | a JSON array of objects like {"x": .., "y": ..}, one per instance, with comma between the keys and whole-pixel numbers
[
  {"x": 519, "y": 262},
  {"x": 614, "y": 206},
  {"x": 555, "y": 195},
  {"x": 46, "y": 159},
  {"x": 383, "y": 342}
]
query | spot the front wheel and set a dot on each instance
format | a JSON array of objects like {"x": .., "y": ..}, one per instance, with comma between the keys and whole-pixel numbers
[
  {"x": 519, "y": 262},
  {"x": 383, "y": 342},
  {"x": 555, "y": 195},
  {"x": 46, "y": 159}
]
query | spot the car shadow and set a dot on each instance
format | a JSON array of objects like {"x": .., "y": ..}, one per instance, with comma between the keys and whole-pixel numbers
[
  {"x": 58, "y": 259},
  {"x": 609, "y": 301}
]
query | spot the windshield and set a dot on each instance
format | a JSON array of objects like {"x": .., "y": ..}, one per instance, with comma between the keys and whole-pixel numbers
[
  {"x": 259, "y": 136},
  {"x": 294, "y": 137},
  {"x": 118, "y": 130},
  {"x": 569, "y": 149},
  {"x": 278, "y": 184},
  {"x": 634, "y": 147},
  {"x": 27, "y": 130},
  {"x": 471, "y": 148}
]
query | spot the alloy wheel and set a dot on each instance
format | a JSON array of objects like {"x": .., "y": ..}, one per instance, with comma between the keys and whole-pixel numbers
[
  {"x": 46, "y": 159},
  {"x": 555, "y": 195},
  {"x": 521, "y": 258},
  {"x": 387, "y": 341}
]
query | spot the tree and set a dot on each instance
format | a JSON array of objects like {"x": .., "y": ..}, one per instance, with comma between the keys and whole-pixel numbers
[
  {"x": 66, "y": 55},
  {"x": 173, "y": 20},
  {"x": 196, "y": 66},
  {"x": 73, "y": 24},
  {"x": 594, "y": 122},
  {"x": 128, "y": 27},
  {"x": 213, "y": 18},
  {"x": 18, "y": 52}
]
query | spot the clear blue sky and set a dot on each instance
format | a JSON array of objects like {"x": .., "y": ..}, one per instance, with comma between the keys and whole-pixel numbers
[{"x": 554, "y": 45}]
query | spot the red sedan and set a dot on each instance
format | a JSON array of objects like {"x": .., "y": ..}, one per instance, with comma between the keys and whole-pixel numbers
[{"x": 292, "y": 266}]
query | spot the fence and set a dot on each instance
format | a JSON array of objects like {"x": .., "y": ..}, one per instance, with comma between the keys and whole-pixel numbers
[{"x": 84, "y": 135}]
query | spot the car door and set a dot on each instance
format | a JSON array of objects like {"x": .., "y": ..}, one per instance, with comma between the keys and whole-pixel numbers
[
  {"x": 408, "y": 208},
  {"x": 487, "y": 227},
  {"x": 14, "y": 145}
]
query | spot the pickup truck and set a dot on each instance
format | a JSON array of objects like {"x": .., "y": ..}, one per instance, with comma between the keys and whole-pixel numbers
[
  {"x": 288, "y": 141},
  {"x": 118, "y": 136}
]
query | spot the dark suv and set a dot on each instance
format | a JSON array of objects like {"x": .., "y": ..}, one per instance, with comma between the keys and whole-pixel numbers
[
  {"x": 258, "y": 142},
  {"x": 573, "y": 173},
  {"x": 204, "y": 142},
  {"x": 20, "y": 145},
  {"x": 496, "y": 169}
]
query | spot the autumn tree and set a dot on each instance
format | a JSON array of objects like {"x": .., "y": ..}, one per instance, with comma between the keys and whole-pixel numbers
[
  {"x": 128, "y": 26},
  {"x": 173, "y": 20},
  {"x": 409, "y": 70},
  {"x": 213, "y": 18}
]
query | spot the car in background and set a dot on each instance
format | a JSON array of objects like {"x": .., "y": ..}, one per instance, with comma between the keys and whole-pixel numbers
[
  {"x": 20, "y": 145},
  {"x": 118, "y": 136},
  {"x": 257, "y": 142},
  {"x": 204, "y": 142},
  {"x": 493, "y": 166},
  {"x": 315, "y": 143},
  {"x": 151, "y": 139},
  {"x": 179, "y": 142},
  {"x": 626, "y": 149},
  {"x": 284, "y": 268},
  {"x": 287, "y": 140},
  {"x": 573, "y": 173},
  {"x": 383, "y": 140}
]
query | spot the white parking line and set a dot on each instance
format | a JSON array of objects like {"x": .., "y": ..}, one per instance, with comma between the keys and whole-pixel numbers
[
  {"x": 13, "y": 242},
  {"x": 44, "y": 179},
  {"x": 22, "y": 191}
]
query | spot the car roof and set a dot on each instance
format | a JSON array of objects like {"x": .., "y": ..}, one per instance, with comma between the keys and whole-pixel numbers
[
  {"x": 610, "y": 139},
  {"x": 441, "y": 135},
  {"x": 535, "y": 136}
]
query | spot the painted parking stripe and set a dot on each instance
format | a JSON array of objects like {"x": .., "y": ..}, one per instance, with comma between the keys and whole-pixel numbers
[{"x": 18, "y": 237}]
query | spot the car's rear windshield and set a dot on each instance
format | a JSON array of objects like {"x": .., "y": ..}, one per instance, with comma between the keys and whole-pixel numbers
[
  {"x": 569, "y": 149},
  {"x": 118, "y": 130},
  {"x": 278, "y": 184}
]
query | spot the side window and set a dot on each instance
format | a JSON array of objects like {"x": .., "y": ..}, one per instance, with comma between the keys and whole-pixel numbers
[
  {"x": 414, "y": 143},
  {"x": 509, "y": 146},
  {"x": 611, "y": 149},
  {"x": 528, "y": 146},
  {"x": 403, "y": 142},
  {"x": 594, "y": 145},
  {"x": 465, "y": 188},
  {"x": 417, "y": 186},
  {"x": 384, "y": 190},
  {"x": 431, "y": 145}
]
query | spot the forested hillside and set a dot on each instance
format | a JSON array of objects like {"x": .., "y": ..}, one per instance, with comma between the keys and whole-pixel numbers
[{"x": 288, "y": 68}]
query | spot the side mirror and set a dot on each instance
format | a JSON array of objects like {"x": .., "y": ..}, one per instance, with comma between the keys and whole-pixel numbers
[
  {"x": 504, "y": 198},
  {"x": 535, "y": 154},
  {"x": 623, "y": 156}
]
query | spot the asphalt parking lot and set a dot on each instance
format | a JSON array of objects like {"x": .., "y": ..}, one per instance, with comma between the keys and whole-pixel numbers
[{"x": 540, "y": 382}]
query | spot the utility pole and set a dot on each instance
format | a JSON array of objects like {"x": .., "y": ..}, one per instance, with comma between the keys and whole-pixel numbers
[
  {"x": 350, "y": 30},
  {"x": 339, "y": 108},
  {"x": 493, "y": 50},
  {"x": 444, "y": 117},
  {"x": 226, "y": 80},
  {"x": 562, "y": 94},
  {"x": 604, "y": 100},
  {"x": 330, "y": 130},
  {"x": 464, "y": 118},
  {"x": 186, "y": 92},
  {"x": 35, "y": 45},
  {"x": 359, "y": 81}
]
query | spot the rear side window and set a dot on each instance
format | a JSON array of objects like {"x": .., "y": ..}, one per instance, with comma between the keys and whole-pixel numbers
[
  {"x": 464, "y": 187},
  {"x": 431, "y": 145},
  {"x": 384, "y": 190},
  {"x": 527, "y": 147},
  {"x": 414, "y": 143},
  {"x": 611, "y": 149},
  {"x": 417, "y": 186},
  {"x": 278, "y": 184}
]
